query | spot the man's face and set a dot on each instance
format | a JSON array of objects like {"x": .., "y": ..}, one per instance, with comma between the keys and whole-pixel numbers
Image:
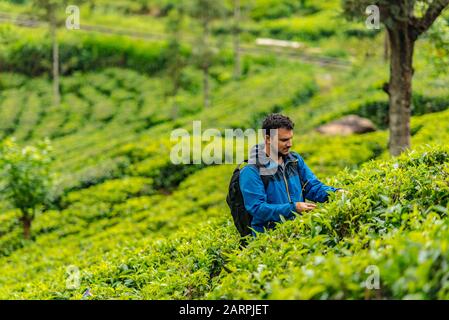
[{"x": 282, "y": 142}]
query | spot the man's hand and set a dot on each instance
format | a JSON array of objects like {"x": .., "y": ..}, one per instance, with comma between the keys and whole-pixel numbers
[{"x": 304, "y": 206}]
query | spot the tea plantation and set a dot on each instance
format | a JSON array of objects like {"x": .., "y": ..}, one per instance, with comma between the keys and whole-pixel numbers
[{"x": 126, "y": 223}]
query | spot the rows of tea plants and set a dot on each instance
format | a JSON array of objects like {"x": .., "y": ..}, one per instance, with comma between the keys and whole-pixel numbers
[
  {"x": 184, "y": 246},
  {"x": 92, "y": 230},
  {"x": 102, "y": 114}
]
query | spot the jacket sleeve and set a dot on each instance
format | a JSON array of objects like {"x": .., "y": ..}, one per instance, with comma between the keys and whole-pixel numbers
[
  {"x": 255, "y": 199},
  {"x": 314, "y": 189}
]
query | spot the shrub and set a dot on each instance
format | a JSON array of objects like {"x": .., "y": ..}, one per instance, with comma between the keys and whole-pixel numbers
[
  {"x": 274, "y": 9},
  {"x": 31, "y": 55},
  {"x": 393, "y": 219},
  {"x": 309, "y": 28},
  {"x": 27, "y": 179}
]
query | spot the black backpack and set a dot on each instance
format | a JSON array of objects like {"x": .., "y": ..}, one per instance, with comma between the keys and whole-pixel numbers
[{"x": 242, "y": 218}]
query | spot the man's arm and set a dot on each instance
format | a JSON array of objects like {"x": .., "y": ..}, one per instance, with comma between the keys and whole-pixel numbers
[
  {"x": 255, "y": 198},
  {"x": 314, "y": 189}
]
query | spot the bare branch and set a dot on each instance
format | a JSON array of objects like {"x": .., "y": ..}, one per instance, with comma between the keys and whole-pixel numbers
[{"x": 421, "y": 25}]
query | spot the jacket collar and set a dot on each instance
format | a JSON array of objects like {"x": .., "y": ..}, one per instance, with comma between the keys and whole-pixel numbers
[{"x": 261, "y": 159}]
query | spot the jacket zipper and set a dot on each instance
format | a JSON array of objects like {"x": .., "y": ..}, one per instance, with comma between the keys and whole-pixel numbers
[
  {"x": 285, "y": 181},
  {"x": 286, "y": 185}
]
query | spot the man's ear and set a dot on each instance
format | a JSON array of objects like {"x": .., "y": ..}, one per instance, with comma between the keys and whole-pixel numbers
[{"x": 267, "y": 139}]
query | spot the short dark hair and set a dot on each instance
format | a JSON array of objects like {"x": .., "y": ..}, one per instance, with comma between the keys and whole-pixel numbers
[{"x": 277, "y": 121}]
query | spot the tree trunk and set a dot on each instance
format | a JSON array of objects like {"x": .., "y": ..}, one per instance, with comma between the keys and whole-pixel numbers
[
  {"x": 206, "y": 64},
  {"x": 56, "y": 93},
  {"x": 386, "y": 46},
  {"x": 26, "y": 222},
  {"x": 400, "y": 87},
  {"x": 174, "y": 68},
  {"x": 236, "y": 36},
  {"x": 177, "y": 75},
  {"x": 206, "y": 87}
]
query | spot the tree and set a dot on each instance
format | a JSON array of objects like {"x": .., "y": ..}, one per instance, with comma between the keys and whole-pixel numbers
[
  {"x": 49, "y": 11},
  {"x": 236, "y": 37},
  {"x": 176, "y": 61},
  {"x": 405, "y": 21},
  {"x": 26, "y": 179},
  {"x": 205, "y": 12}
]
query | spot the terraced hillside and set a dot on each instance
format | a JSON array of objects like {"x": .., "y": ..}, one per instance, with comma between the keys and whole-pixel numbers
[{"x": 132, "y": 225}]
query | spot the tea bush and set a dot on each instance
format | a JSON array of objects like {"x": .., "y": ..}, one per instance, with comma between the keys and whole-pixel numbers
[
  {"x": 394, "y": 211},
  {"x": 31, "y": 54}
]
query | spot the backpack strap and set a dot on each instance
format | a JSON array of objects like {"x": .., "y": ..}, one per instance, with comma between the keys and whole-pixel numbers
[
  {"x": 240, "y": 164},
  {"x": 264, "y": 179}
]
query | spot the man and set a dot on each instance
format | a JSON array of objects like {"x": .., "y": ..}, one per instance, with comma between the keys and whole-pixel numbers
[{"x": 277, "y": 182}]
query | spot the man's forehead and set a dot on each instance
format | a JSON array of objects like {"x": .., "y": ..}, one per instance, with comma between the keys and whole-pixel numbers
[{"x": 283, "y": 133}]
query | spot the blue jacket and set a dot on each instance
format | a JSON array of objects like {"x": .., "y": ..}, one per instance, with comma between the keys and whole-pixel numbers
[{"x": 268, "y": 195}]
